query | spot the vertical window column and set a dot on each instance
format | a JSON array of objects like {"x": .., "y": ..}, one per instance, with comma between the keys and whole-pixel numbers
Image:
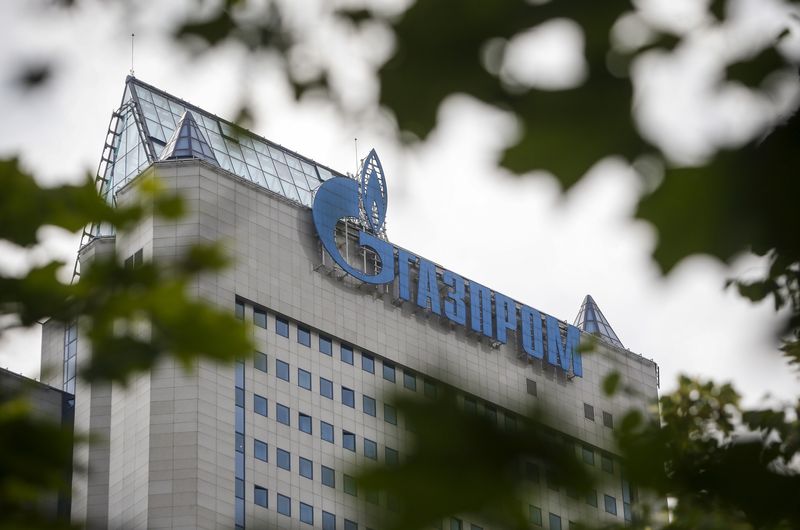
[
  {"x": 70, "y": 356},
  {"x": 239, "y": 428}
]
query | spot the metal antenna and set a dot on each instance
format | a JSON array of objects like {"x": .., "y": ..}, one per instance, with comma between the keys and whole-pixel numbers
[
  {"x": 356, "y": 142},
  {"x": 132, "y": 37}
]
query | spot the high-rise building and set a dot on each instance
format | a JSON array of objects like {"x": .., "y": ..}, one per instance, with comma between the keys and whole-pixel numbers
[{"x": 340, "y": 318}]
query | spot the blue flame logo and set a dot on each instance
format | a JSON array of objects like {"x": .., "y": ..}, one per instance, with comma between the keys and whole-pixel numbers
[{"x": 373, "y": 192}]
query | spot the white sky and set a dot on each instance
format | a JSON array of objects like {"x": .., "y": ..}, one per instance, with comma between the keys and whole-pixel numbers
[{"x": 448, "y": 202}]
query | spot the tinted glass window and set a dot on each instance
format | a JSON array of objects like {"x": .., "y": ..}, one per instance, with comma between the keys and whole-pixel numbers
[
  {"x": 306, "y": 468},
  {"x": 260, "y": 318},
  {"x": 307, "y": 513},
  {"x": 328, "y": 477},
  {"x": 284, "y": 459},
  {"x": 260, "y": 405},
  {"x": 328, "y": 521},
  {"x": 303, "y": 379},
  {"x": 348, "y": 397},
  {"x": 610, "y": 504},
  {"x": 388, "y": 371},
  {"x": 260, "y": 450},
  {"x": 349, "y": 440},
  {"x": 369, "y": 405},
  {"x": 346, "y": 354},
  {"x": 281, "y": 327},
  {"x": 282, "y": 369},
  {"x": 282, "y": 414},
  {"x": 260, "y": 496},
  {"x": 304, "y": 423},
  {"x": 370, "y": 449},
  {"x": 260, "y": 361},
  {"x": 410, "y": 381},
  {"x": 326, "y": 431},
  {"x": 555, "y": 522},
  {"x": 304, "y": 336},
  {"x": 349, "y": 485},
  {"x": 325, "y": 345},
  {"x": 325, "y": 388},
  {"x": 284, "y": 505},
  {"x": 367, "y": 363},
  {"x": 389, "y": 414}
]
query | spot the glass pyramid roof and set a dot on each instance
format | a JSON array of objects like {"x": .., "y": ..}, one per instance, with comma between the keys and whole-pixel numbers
[
  {"x": 188, "y": 142},
  {"x": 591, "y": 320},
  {"x": 146, "y": 123}
]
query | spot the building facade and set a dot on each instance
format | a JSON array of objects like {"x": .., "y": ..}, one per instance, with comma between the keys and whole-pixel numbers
[{"x": 340, "y": 319}]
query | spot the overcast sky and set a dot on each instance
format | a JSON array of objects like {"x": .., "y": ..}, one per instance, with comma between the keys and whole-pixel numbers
[{"x": 447, "y": 200}]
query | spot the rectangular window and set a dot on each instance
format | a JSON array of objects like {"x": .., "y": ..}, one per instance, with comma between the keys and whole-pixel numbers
[
  {"x": 239, "y": 305},
  {"x": 607, "y": 463},
  {"x": 349, "y": 440},
  {"x": 610, "y": 504},
  {"x": 370, "y": 449},
  {"x": 369, "y": 405},
  {"x": 307, "y": 513},
  {"x": 429, "y": 388},
  {"x": 367, "y": 363},
  {"x": 348, "y": 397},
  {"x": 304, "y": 423},
  {"x": 304, "y": 336},
  {"x": 239, "y": 492},
  {"x": 282, "y": 370},
  {"x": 608, "y": 420},
  {"x": 409, "y": 380},
  {"x": 282, "y": 414},
  {"x": 282, "y": 327},
  {"x": 588, "y": 455},
  {"x": 392, "y": 456},
  {"x": 591, "y": 498},
  {"x": 349, "y": 485},
  {"x": 260, "y": 405},
  {"x": 510, "y": 422},
  {"x": 326, "y": 388},
  {"x": 350, "y": 525},
  {"x": 456, "y": 524},
  {"x": 389, "y": 414},
  {"x": 239, "y": 375},
  {"x": 325, "y": 345},
  {"x": 328, "y": 477},
  {"x": 260, "y": 496},
  {"x": 588, "y": 411},
  {"x": 470, "y": 405},
  {"x": 491, "y": 414},
  {"x": 388, "y": 371},
  {"x": 535, "y": 515},
  {"x": 303, "y": 379},
  {"x": 326, "y": 431},
  {"x": 306, "y": 468},
  {"x": 530, "y": 386},
  {"x": 555, "y": 522},
  {"x": 260, "y": 361},
  {"x": 260, "y": 318},
  {"x": 260, "y": 450},
  {"x": 284, "y": 505},
  {"x": 284, "y": 459},
  {"x": 346, "y": 353},
  {"x": 239, "y": 442},
  {"x": 239, "y": 397},
  {"x": 328, "y": 521}
]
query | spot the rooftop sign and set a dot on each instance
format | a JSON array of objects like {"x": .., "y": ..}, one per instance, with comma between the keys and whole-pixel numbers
[{"x": 462, "y": 301}]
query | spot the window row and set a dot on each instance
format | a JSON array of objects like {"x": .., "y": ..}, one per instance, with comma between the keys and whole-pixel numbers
[
  {"x": 283, "y": 505},
  {"x": 588, "y": 413}
]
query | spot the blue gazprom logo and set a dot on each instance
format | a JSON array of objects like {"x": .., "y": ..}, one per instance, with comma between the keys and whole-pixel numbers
[{"x": 463, "y": 302}]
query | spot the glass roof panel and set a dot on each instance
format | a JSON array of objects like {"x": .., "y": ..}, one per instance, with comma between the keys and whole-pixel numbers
[{"x": 591, "y": 320}]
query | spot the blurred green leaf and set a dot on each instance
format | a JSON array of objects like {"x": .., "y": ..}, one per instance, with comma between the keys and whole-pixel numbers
[{"x": 611, "y": 383}]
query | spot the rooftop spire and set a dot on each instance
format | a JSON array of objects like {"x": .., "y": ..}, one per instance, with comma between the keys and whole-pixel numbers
[
  {"x": 591, "y": 320},
  {"x": 188, "y": 142}
]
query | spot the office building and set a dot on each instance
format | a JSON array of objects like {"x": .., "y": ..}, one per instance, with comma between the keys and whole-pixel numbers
[{"x": 340, "y": 318}]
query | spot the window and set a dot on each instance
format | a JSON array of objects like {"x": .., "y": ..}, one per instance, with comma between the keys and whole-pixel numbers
[
  {"x": 470, "y": 405},
  {"x": 535, "y": 515},
  {"x": 328, "y": 477},
  {"x": 328, "y": 521},
  {"x": 349, "y": 440},
  {"x": 606, "y": 463},
  {"x": 409, "y": 380},
  {"x": 588, "y": 455},
  {"x": 491, "y": 414},
  {"x": 325, "y": 345},
  {"x": 303, "y": 379},
  {"x": 260, "y": 450},
  {"x": 325, "y": 388},
  {"x": 306, "y": 513},
  {"x": 239, "y": 305},
  {"x": 456, "y": 524},
  {"x": 530, "y": 386},
  {"x": 392, "y": 456},
  {"x": 326, "y": 431},
  {"x": 588, "y": 411},
  {"x": 389, "y": 414},
  {"x": 282, "y": 369},
  {"x": 591, "y": 498},
  {"x": 611, "y": 504},
  {"x": 306, "y": 468},
  {"x": 260, "y": 318},
  {"x": 284, "y": 505},
  {"x": 388, "y": 372},
  {"x": 369, "y": 405},
  {"x": 239, "y": 442},
  {"x": 348, "y": 397},
  {"x": 239, "y": 397},
  {"x": 510, "y": 422},
  {"x": 429, "y": 388},
  {"x": 370, "y": 449},
  {"x": 350, "y": 525},
  {"x": 282, "y": 414},
  {"x": 346, "y": 353},
  {"x": 368, "y": 363},
  {"x": 531, "y": 471},
  {"x": 555, "y": 522},
  {"x": 260, "y": 496},
  {"x": 260, "y": 361},
  {"x": 349, "y": 485},
  {"x": 304, "y": 423},
  {"x": 608, "y": 420},
  {"x": 304, "y": 336},
  {"x": 282, "y": 327},
  {"x": 260, "y": 405},
  {"x": 239, "y": 488},
  {"x": 284, "y": 459}
]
